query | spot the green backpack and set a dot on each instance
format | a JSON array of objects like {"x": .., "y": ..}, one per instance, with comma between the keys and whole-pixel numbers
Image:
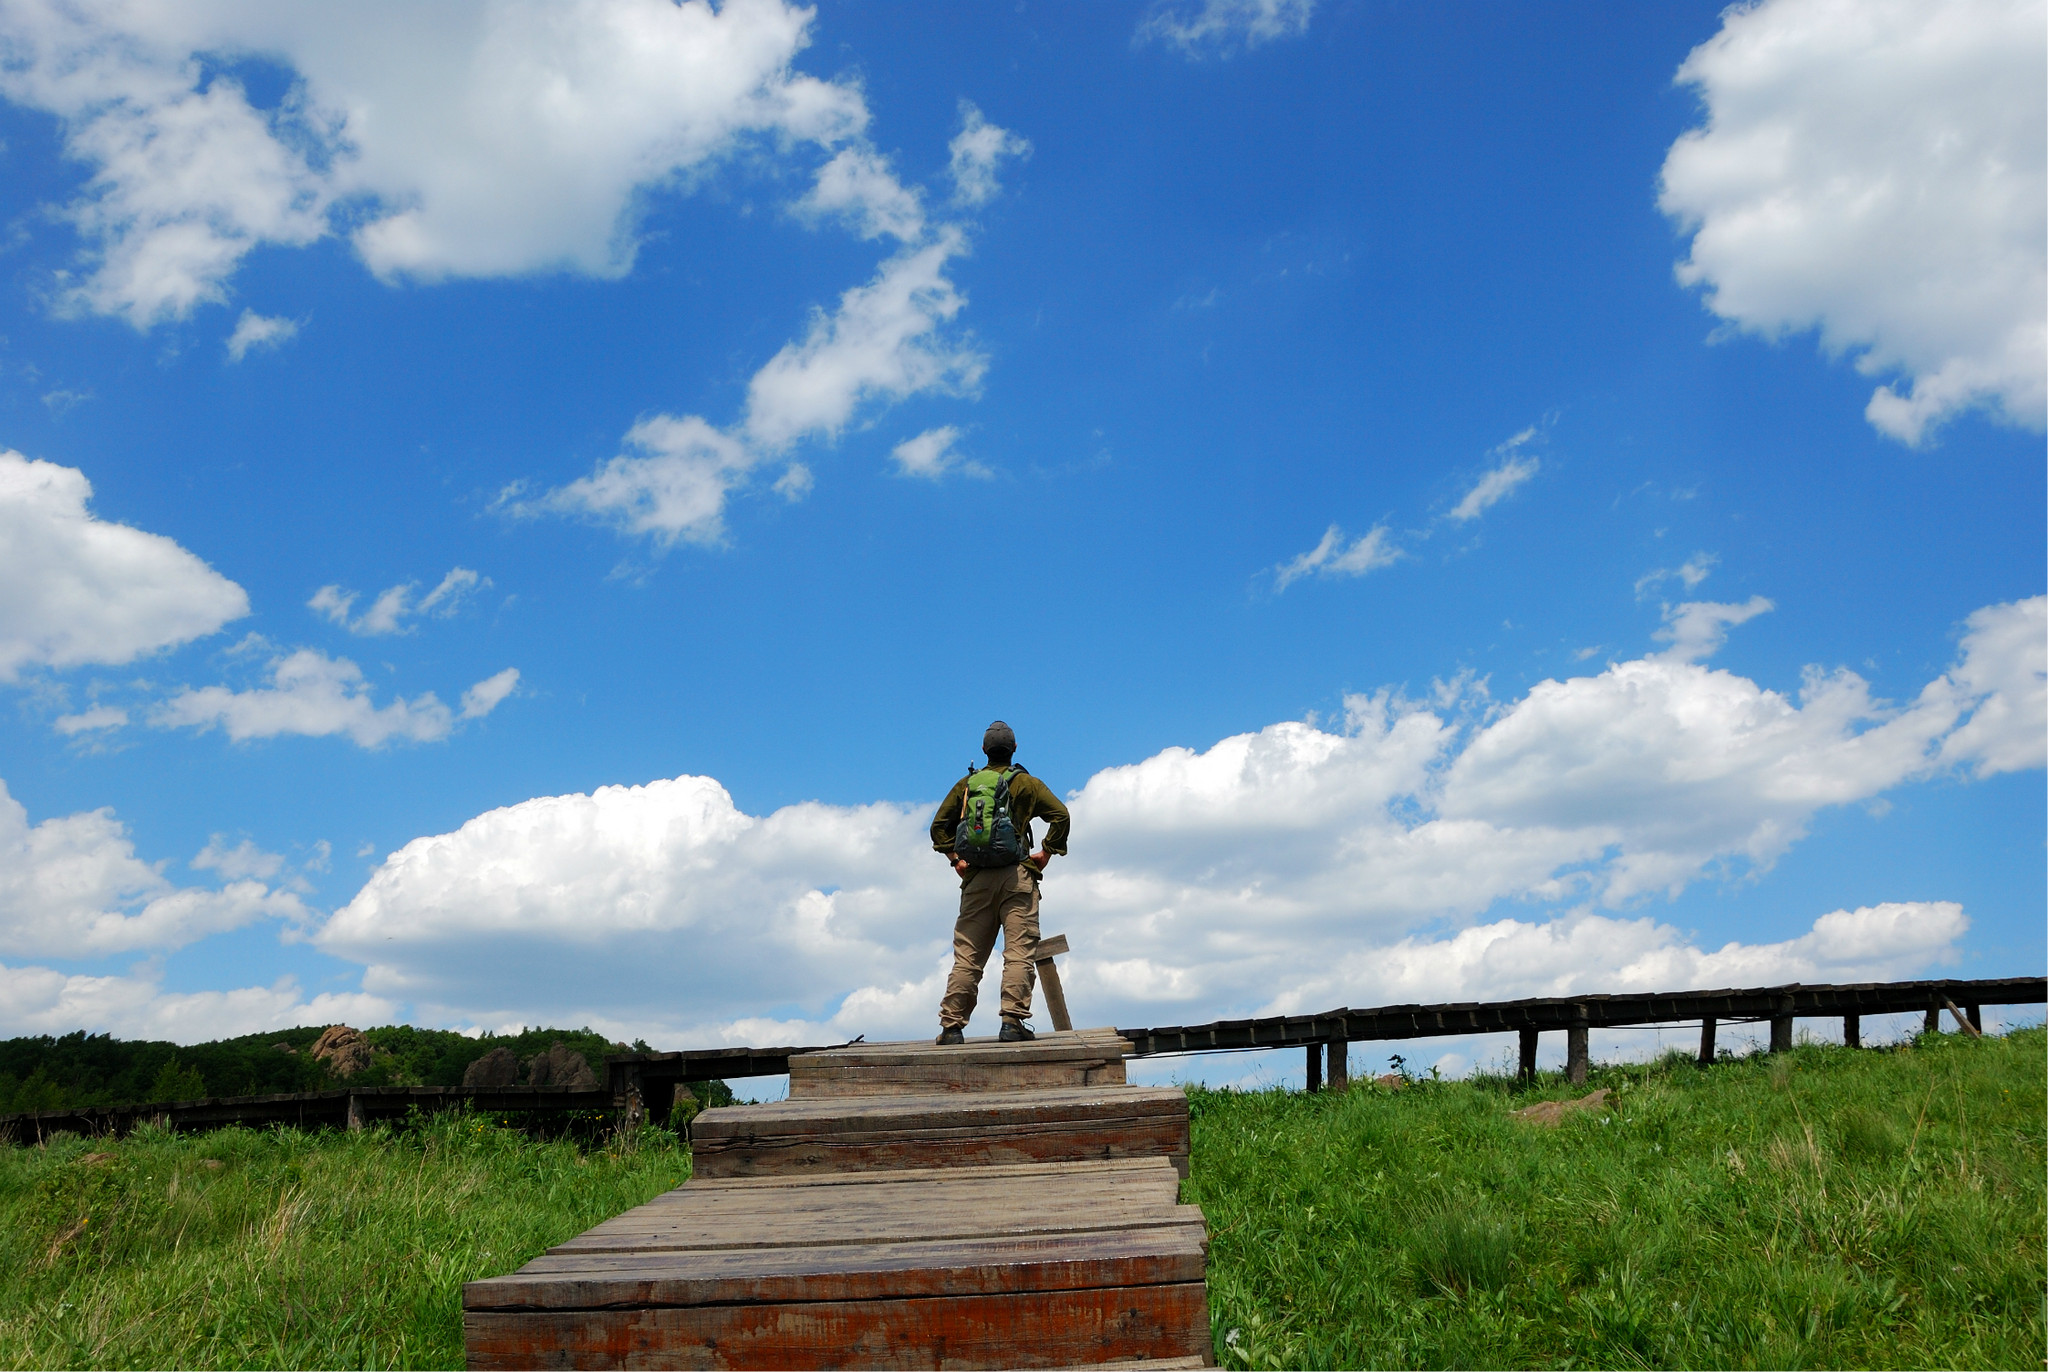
[{"x": 987, "y": 835}]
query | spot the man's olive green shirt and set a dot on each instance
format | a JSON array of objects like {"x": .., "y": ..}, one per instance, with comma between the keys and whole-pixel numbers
[{"x": 1030, "y": 799}]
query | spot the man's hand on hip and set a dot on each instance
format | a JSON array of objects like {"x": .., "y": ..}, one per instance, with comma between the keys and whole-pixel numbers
[
  {"x": 1041, "y": 857},
  {"x": 961, "y": 866}
]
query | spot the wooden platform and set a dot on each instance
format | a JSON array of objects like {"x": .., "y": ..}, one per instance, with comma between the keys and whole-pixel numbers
[
  {"x": 997, "y": 1224},
  {"x": 1077, "y": 1057}
]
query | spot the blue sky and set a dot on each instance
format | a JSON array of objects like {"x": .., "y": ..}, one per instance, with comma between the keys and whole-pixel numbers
[{"x": 1470, "y": 502}]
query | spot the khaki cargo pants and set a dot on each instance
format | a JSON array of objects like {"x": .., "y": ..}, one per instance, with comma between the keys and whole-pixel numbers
[{"x": 993, "y": 898}]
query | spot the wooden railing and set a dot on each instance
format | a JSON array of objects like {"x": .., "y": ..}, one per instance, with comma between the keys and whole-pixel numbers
[{"x": 644, "y": 1084}]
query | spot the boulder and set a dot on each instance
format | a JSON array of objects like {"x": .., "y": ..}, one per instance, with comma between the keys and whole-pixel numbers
[
  {"x": 344, "y": 1050},
  {"x": 495, "y": 1068},
  {"x": 1552, "y": 1112},
  {"x": 562, "y": 1068}
]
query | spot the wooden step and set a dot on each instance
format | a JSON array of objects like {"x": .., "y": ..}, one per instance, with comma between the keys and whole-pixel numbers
[
  {"x": 992, "y": 1267},
  {"x": 869, "y": 1133},
  {"x": 1075, "y": 1057}
]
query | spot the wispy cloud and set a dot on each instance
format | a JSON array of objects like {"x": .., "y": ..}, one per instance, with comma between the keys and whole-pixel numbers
[
  {"x": 392, "y": 611},
  {"x": 254, "y": 332},
  {"x": 1510, "y": 473},
  {"x": 1222, "y": 28},
  {"x": 931, "y": 455},
  {"x": 1335, "y": 557}
]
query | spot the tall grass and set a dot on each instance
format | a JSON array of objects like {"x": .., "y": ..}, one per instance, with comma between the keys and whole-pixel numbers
[
  {"x": 1821, "y": 1208},
  {"x": 286, "y": 1249},
  {"x": 1818, "y": 1208}
]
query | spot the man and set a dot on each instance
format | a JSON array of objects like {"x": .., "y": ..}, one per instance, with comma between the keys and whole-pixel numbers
[{"x": 999, "y": 888}]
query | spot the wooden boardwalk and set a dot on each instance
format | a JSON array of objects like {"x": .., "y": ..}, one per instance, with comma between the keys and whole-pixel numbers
[{"x": 988, "y": 1205}]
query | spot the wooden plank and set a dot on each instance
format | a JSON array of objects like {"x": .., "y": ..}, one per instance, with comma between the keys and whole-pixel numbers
[
  {"x": 919, "y": 1079},
  {"x": 706, "y": 1234},
  {"x": 990, "y": 1110},
  {"x": 848, "y": 1271},
  {"x": 1023, "y": 1329},
  {"x": 1025, "y": 1171},
  {"x": 1054, "y": 947},
  {"x": 770, "y": 1155}
]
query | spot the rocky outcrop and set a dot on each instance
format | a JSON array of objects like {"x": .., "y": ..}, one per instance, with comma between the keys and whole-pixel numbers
[
  {"x": 495, "y": 1068},
  {"x": 343, "y": 1050},
  {"x": 562, "y": 1068}
]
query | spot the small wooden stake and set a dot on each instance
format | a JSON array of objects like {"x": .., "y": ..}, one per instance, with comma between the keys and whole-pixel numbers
[
  {"x": 1049, "y": 976},
  {"x": 1963, "y": 1020}
]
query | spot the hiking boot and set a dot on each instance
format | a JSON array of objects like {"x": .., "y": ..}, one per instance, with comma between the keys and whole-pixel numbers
[
  {"x": 949, "y": 1037},
  {"x": 1015, "y": 1032}
]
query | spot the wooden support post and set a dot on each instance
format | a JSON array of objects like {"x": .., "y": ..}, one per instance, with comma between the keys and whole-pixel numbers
[
  {"x": 1340, "y": 1064},
  {"x": 1315, "y": 1067},
  {"x": 1852, "y": 1030},
  {"x": 1781, "y": 1033},
  {"x": 1575, "y": 1054},
  {"x": 1963, "y": 1021},
  {"x": 1976, "y": 1013},
  {"x": 1707, "y": 1027},
  {"x": 631, "y": 1100},
  {"x": 1049, "y": 977},
  {"x": 357, "y": 1119},
  {"x": 1528, "y": 1055},
  {"x": 1933, "y": 1025}
]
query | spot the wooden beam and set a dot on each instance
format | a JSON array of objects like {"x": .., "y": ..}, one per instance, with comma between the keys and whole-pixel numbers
[
  {"x": 1707, "y": 1027},
  {"x": 1963, "y": 1021}
]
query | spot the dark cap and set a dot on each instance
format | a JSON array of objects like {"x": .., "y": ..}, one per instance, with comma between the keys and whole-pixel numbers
[{"x": 998, "y": 739}]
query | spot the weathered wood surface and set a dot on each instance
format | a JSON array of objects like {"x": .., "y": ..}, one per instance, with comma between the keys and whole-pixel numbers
[
  {"x": 1039, "y": 1265},
  {"x": 1083, "y": 1057},
  {"x": 969, "y": 1129}
]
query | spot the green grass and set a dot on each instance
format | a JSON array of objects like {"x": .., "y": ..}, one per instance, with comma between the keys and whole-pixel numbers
[
  {"x": 286, "y": 1249},
  {"x": 1820, "y": 1208}
]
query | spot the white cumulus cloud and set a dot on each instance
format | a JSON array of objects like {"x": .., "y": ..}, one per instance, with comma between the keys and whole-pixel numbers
[
  {"x": 931, "y": 455},
  {"x": 471, "y": 140},
  {"x": 976, "y": 152},
  {"x": 1221, "y": 28},
  {"x": 858, "y": 187},
  {"x": 40, "y": 1000},
  {"x": 883, "y": 342},
  {"x": 81, "y": 590},
  {"x": 255, "y": 332},
  {"x": 1877, "y": 170},
  {"x": 315, "y": 695},
  {"x": 1332, "y": 556},
  {"x": 73, "y": 887},
  {"x": 1288, "y": 868}
]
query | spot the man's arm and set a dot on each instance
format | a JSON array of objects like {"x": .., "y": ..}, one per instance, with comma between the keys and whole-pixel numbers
[
  {"x": 948, "y": 815},
  {"x": 1045, "y": 805}
]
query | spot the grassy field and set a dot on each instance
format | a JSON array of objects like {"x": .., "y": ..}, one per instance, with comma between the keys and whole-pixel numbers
[{"x": 1820, "y": 1208}]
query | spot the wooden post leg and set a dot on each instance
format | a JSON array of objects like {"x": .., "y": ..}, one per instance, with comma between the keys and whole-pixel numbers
[
  {"x": 1528, "y": 1055},
  {"x": 1976, "y": 1014},
  {"x": 1852, "y": 1030},
  {"x": 1933, "y": 1024},
  {"x": 1707, "y": 1027},
  {"x": 1963, "y": 1021},
  {"x": 356, "y": 1117},
  {"x": 1055, "y": 994},
  {"x": 1576, "y": 1052},
  {"x": 631, "y": 1100},
  {"x": 1340, "y": 1064},
  {"x": 1315, "y": 1067},
  {"x": 1781, "y": 1034}
]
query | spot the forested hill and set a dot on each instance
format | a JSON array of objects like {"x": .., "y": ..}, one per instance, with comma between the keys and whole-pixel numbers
[{"x": 45, "y": 1073}]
